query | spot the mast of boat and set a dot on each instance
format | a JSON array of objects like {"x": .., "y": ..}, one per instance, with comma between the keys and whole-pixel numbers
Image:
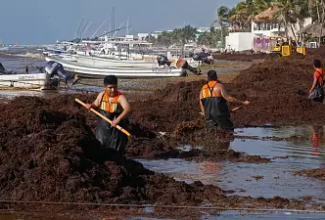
[
  {"x": 77, "y": 34},
  {"x": 113, "y": 19},
  {"x": 83, "y": 29},
  {"x": 98, "y": 29},
  {"x": 127, "y": 26},
  {"x": 116, "y": 30},
  {"x": 86, "y": 29}
]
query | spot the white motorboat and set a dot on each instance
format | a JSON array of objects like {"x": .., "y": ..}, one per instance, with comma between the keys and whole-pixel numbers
[
  {"x": 37, "y": 81},
  {"x": 90, "y": 70}
]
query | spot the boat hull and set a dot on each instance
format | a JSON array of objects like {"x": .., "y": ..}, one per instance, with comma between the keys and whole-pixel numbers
[
  {"x": 145, "y": 63},
  {"x": 28, "y": 81},
  {"x": 96, "y": 72}
]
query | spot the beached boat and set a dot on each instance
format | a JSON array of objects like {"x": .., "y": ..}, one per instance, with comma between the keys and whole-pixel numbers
[
  {"x": 37, "y": 81},
  {"x": 40, "y": 80},
  {"x": 94, "y": 71},
  {"x": 109, "y": 54},
  {"x": 143, "y": 63},
  {"x": 114, "y": 63}
]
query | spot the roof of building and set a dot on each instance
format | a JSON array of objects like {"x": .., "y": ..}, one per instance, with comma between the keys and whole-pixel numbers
[
  {"x": 267, "y": 15},
  {"x": 312, "y": 29}
]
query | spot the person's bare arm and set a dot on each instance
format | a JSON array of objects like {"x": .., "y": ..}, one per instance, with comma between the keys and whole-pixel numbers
[
  {"x": 313, "y": 85},
  {"x": 126, "y": 110},
  {"x": 201, "y": 105},
  {"x": 229, "y": 98},
  {"x": 96, "y": 103}
]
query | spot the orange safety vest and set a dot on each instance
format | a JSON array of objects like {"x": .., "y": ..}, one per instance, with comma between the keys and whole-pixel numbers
[
  {"x": 112, "y": 106},
  {"x": 207, "y": 90},
  {"x": 321, "y": 74}
]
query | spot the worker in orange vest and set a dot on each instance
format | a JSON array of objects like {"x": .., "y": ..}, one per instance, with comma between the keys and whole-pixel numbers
[
  {"x": 316, "y": 91},
  {"x": 112, "y": 104},
  {"x": 213, "y": 103}
]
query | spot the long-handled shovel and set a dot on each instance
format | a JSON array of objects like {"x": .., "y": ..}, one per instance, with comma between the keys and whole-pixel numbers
[
  {"x": 103, "y": 117},
  {"x": 236, "y": 108},
  {"x": 232, "y": 110}
]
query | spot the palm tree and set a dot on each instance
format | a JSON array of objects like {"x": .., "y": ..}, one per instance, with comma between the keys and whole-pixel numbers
[
  {"x": 230, "y": 16},
  {"x": 321, "y": 21},
  {"x": 165, "y": 39},
  {"x": 241, "y": 16},
  {"x": 244, "y": 12},
  {"x": 222, "y": 19},
  {"x": 177, "y": 36},
  {"x": 317, "y": 8},
  {"x": 286, "y": 13},
  {"x": 314, "y": 7},
  {"x": 150, "y": 38},
  {"x": 291, "y": 12},
  {"x": 261, "y": 5},
  {"x": 188, "y": 34}
]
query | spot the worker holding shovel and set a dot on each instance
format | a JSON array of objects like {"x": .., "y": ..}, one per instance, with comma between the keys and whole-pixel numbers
[
  {"x": 112, "y": 104},
  {"x": 213, "y": 103}
]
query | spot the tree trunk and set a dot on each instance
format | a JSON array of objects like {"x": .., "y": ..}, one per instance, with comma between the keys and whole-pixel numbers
[
  {"x": 214, "y": 40},
  {"x": 293, "y": 32},
  {"x": 221, "y": 30},
  {"x": 321, "y": 24},
  {"x": 286, "y": 27},
  {"x": 317, "y": 9}
]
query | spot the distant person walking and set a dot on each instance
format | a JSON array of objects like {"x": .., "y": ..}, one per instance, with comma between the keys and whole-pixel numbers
[{"x": 316, "y": 91}]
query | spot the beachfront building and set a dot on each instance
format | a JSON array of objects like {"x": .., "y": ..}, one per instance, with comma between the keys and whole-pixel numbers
[
  {"x": 155, "y": 34},
  {"x": 202, "y": 30},
  {"x": 143, "y": 36},
  {"x": 263, "y": 26},
  {"x": 313, "y": 31}
]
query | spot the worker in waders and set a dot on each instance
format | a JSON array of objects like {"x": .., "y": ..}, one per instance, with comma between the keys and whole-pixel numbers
[
  {"x": 213, "y": 103},
  {"x": 316, "y": 91},
  {"x": 112, "y": 104}
]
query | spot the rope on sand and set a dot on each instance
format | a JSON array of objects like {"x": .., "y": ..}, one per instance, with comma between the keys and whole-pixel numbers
[{"x": 165, "y": 206}]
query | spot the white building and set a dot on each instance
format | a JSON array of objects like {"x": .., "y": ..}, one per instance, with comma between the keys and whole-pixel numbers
[
  {"x": 142, "y": 36},
  {"x": 203, "y": 29},
  {"x": 156, "y": 34},
  {"x": 239, "y": 41},
  {"x": 129, "y": 37},
  {"x": 262, "y": 28}
]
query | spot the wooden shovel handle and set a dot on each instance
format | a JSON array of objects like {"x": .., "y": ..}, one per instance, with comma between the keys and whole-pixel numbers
[
  {"x": 236, "y": 108},
  {"x": 232, "y": 110},
  {"x": 103, "y": 117}
]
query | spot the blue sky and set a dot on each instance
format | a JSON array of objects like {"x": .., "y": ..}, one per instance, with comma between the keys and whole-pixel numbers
[{"x": 45, "y": 21}]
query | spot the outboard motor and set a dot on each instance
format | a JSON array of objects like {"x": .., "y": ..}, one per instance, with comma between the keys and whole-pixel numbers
[
  {"x": 197, "y": 57},
  {"x": 204, "y": 57},
  {"x": 182, "y": 63},
  {"x": 56, "y": 71},
  {"x": 2, "y": 69},
  {"x": 163, "y": 60}
]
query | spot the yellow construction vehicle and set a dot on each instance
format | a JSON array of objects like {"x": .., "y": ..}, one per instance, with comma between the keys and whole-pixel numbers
[{"x": 282, "y": 47}]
